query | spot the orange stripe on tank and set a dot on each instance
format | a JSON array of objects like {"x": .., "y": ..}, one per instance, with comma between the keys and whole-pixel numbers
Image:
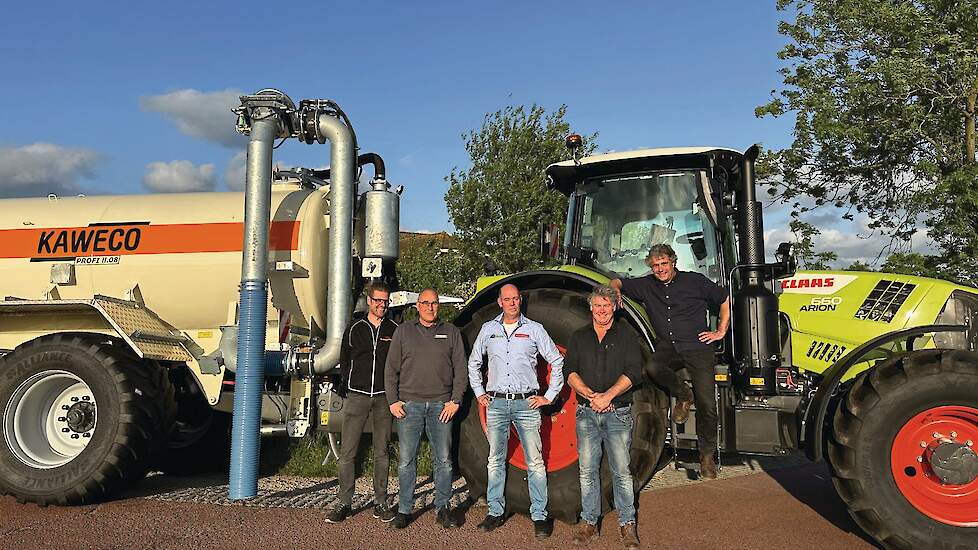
[{"x": 130, "y": 239}]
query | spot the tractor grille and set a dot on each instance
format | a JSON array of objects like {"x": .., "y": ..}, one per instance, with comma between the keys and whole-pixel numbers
[{"x": 884, "y": 301}]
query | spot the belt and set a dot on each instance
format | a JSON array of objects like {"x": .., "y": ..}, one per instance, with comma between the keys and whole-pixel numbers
[{"x": 526, "y": 395}]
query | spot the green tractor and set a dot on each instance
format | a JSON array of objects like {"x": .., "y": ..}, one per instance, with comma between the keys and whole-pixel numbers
[{"x": 876, "y": 373}]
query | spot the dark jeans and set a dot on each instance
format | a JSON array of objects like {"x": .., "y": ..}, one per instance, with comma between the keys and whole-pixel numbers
[
  {"x": 700, "y": 365},
  {"x": 422, "y": 417},
  {"x": 355, "y": 410}
]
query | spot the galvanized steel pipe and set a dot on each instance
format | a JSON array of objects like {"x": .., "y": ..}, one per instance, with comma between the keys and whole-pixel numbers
[
  {"x": 252, "y": 313},
  {"x": 342, "y": 190}
]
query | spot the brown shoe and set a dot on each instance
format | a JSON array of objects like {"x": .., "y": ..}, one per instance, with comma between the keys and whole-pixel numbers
[
  {"x": 708, "y": 466},
  {"x": 680, "y": 411},
  {"x": 629, "y": 536},
  {"x": 585, "y": 533}
]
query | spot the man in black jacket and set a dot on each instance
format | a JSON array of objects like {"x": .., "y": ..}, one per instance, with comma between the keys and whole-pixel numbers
[{"x": 362, "y": 359}]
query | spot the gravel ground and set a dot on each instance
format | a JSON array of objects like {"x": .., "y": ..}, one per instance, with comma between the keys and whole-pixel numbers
[
  {"x": 754, "y": 505},
  {"x": 303, "y": 492}
]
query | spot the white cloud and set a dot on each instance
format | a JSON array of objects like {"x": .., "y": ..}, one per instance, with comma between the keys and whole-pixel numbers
[
  {"x": 235, "y": 172},
  {"x": 204, "y": 115},
  {"x": 39, "y": 169},
  {"x": 851, "y": 240},
  {"x": 179, "y": 176}
]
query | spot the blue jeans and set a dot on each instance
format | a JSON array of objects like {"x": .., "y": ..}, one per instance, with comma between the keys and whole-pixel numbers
[
  {"x": 500, "y": 414},
  {"x": 422, "y": 416},
  {"x": 614, "y": 430}
]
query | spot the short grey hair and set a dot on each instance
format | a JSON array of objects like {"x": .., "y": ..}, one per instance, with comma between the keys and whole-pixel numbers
[
  {"x": 604, "y": 291},
  {"x": 661, "y": 251}
]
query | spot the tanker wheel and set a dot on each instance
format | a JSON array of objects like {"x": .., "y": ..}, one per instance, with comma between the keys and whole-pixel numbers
[
  {"x": 902, "y": 450},
  {"x": 80, "y": 418},
  {"x": 561, "y": 312},
  {"x": 201, "y": 437}
]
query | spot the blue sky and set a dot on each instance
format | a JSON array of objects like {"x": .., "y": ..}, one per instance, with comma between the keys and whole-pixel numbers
[{"x": 105, "y": 97}]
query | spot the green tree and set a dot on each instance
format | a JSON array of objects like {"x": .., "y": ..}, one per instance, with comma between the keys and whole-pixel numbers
[
  {"x": 913, "y": 263},
  {"x": 859, "y": 265},
  {"x": 498, "y": 204},
  {"x": 424, "y": 263},
  {"x": 883, "y": 95}
]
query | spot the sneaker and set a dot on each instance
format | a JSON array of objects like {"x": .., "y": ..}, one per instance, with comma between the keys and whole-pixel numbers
[
  {"x": 542, "y": 528},
  {"x": 338, "y": 514},
  {"x": 401, "y": 521},
  {"x": 629, "y": 536},
  {"x": 446, "y": 519},
  {"x": 680, "y": 411},
  {"x": 492, "y": 522},
  {"x": 585, "y": 533},
  {"x": 708, "y": 466},
  {"x": 384, "y": 513}
]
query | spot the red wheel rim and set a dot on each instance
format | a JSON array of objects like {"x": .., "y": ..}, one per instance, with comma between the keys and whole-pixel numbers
[
  {"x": 910, "y": 462},
  {"x": 557, "y": 431}
]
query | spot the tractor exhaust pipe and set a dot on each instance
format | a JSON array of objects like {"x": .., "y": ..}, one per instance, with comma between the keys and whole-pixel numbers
[{"x": 755, "y": 306}]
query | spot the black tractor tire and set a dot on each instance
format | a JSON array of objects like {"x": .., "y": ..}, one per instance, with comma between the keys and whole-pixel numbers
[
  {"x": 561, "y": 312},
  {"x": 865, "y": 429},
  {"x": 134, "y": 408},
  {"x": 201, "y": 438}
]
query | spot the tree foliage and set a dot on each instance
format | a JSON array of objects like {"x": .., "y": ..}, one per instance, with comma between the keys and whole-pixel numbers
[
  {"x": 498, "y": 204},
  {"x": 913, "y": 263},
  {"x": 883, "y": 94},
  {"x": 424, "y": 264}
]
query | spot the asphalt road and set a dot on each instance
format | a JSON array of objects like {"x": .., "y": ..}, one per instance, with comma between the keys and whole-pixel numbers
[{"x": 791, "y": 507}]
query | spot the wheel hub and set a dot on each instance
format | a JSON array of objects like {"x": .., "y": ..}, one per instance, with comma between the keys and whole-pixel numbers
[
  {"x": 954, "y": 463},
  {"x": 935, "y": 466},
  {"x": 81, "y": 417}
]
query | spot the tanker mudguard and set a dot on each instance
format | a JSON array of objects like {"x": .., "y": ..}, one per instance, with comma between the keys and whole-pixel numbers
[
  {"x": 566, "y": 277},
  {"x": 146, "y": 334},
  {"x": 818, "y": 407}
]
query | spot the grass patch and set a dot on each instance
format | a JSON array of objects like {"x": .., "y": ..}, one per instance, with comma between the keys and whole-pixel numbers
[{"x": 304, "y": 457}]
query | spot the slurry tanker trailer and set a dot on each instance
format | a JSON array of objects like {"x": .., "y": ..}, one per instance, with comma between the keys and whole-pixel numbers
[{"x": 130, "y": 324}]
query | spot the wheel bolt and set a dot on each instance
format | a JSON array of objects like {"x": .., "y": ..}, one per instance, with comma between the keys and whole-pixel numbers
[
  {"x": 920, "y": 459},
  {"x": 923, "y": 445},
  {"x": 62, "y": 419},
  {"x": 87, "y": 434},
  {"x": 74, "y": 436},
  {"x": 970, "y": 443},
  {"x": 954, "y": 434},
  {"x": 65, "y": 407},
  {"x": 936, "y": 435},
  {"x": 86, "y": 398},
  {"x": 75, "y": 399},
  {"x": 65, "y": 430}
]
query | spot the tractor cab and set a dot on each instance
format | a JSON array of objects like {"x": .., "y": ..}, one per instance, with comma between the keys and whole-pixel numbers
[{"x": 622, "y": 203}]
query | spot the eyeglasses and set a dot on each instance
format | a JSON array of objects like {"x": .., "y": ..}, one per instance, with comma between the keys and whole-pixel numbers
[
  {"x": 379, "y": 300},
  {"x": 426, "y": 303}
]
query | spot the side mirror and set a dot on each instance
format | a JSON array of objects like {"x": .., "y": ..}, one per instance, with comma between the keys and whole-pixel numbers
[
  {"x": 549, "y": 241},
  {"x": 785, "y": 262}
]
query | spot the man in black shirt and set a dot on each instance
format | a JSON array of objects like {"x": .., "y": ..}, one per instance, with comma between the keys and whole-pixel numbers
[
  {"x": 603, "y": 364},
  {"x": 363, "y": 355},
  {"x": 677, "y": 302}
]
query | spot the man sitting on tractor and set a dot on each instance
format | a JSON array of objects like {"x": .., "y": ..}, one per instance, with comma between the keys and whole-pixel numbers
[{"x": 677, "y": 302}]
